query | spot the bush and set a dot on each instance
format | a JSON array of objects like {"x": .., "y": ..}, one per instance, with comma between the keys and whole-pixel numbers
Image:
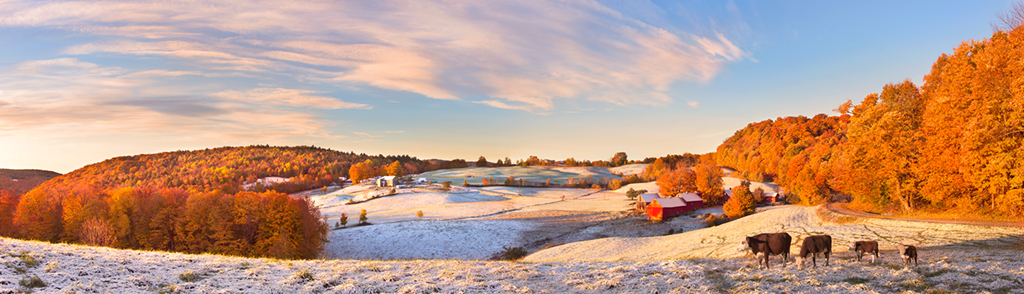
[
  {"x": 513, "y": 253},
  {"x": 304, "y": 276},
  {"x": 33, "y": 282},
  {"x": 419, "y": 213},
  {"x": 362, "y": 216},
  {"x": 446, "y": 185},
  {"x": 632, "y": 194},
  {"x": 710, "y": 221},
  {"x": 343, "y": 220},
  {"x": 190, "y": 276}
]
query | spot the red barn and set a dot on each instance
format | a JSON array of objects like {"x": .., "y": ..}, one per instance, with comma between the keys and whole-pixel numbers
[
  {"x": 664, "y": 208},
  {"x": 693, "y": 201},
  {"x": 770, "y": 198}
]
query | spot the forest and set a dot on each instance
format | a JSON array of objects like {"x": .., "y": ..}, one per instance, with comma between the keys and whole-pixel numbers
[
  {"x": 952, "y": 145},
  {"x": 193, "y": 201}
]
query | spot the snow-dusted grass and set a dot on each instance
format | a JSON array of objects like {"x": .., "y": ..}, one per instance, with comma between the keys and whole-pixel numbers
[
  {"x": 476, "y": 239},
  {"x": 629, "y": 169},
  {"x": 552, "y": 193},
  {"x": 537, "y": 174},
  {"x": 729, "y": 182},
  {"x": 798, "y": 221},
  {"x": 81, "y": 269},
  {"x": 436, "y": 205}
]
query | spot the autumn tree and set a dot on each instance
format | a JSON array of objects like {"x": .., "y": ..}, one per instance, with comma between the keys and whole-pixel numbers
[
  {"x": 654, "y": 170},
  {"x": 708, "y": 180},
  {"x": 394, "y": 169},
  {"x": 677, "y": 181},
  {"x": 361, "y": 171},
  {"x": 741, "y": 203},
  {"x": 618, "y": 159},
  {"x": 481, "y": 162},
  {"x": 8, "y": 205}
]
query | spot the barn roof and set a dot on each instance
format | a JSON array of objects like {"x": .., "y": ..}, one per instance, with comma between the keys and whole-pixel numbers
[
  {"x": 690, "y": 197},
  {"x": 671, "y": 202},
  {"x": 649, "y": 197}
]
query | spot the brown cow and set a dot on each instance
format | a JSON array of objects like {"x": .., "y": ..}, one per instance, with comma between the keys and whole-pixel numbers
[
  {"x": 812, "y": 246},
  {"x": 861, "y": 247},
  {"x": 909, "y": 252},
  {"x": 769, "y": 244}
]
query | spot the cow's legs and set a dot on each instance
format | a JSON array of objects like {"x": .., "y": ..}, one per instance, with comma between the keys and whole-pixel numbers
[{"x": 827, "y": 257}]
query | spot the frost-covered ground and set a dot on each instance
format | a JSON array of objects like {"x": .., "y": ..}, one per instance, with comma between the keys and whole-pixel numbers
[
  {"x": 537, "y": 174},
  {"x": 476, "y": 239},
  {"x": 80, "y": 269},
  {"x": 798, "y": 221}
]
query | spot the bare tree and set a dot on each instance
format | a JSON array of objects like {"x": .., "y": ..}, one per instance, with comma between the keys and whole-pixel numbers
[
  {"x": 97, "y": 232},
  {"x": 1010, "y": 19}
]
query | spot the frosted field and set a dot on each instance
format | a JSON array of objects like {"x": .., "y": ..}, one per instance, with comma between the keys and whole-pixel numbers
[
  {"x": 798, "y": 221},
  {"x": 538, "y": 174},
  {"x": 476, "y": 239},
  {"x": 954, "y": 258}
]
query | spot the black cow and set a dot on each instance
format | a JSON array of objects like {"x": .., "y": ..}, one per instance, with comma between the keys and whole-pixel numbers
[
  {"x": 812, "y": 246},
  {"x": 861, "y": 247},
  {"x": 769, "y": 244},
  {"x": 909, "y": 252}
]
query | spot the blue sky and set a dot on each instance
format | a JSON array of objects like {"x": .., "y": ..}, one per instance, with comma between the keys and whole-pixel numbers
[{"x": 83, "y": 81}]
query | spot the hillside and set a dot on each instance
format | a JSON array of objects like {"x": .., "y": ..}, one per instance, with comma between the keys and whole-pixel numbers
[
  {"x": 953, "y": 145},
  {"x": 721, "y": 241},
  {"x": 953, "y": 259},
  {"x": 22, "y": 180},
  {"x": 192, "y": 201}
]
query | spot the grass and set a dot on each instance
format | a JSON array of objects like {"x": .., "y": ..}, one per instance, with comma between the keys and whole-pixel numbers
[
  {"x": 190, "y": 276},
  {"x": 304, "y": 275},
  {"x": 856, "y": 280},
  {"x": 32, "y": 282},
  {"x": 936, "y": 273}
]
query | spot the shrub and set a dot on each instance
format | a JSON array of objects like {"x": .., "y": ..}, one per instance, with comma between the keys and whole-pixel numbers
[
  {"x": 304, "y": 275},
  {"x": 190, "y": 276},
  {"x": 343, "y": 220},
  {"x": 362, "y": 216},
  {"x": 33, "y": 282},
  {"x": 446, "y": 185},
  {"x": 419, "y": 213},
  {"x": 632, "y": 194},
  {"x": 710, "y": 221},
  {"x": 513, "y": 253},
  {"x": 465, "y": 183}
]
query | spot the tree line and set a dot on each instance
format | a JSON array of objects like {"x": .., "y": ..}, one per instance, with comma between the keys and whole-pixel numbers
[
  {"x": 954, "y": 144},
  {"x": 192, "y": 201}
]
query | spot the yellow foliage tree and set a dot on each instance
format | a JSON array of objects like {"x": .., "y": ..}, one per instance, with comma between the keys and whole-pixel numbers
[{"x": 742, "y": 202}]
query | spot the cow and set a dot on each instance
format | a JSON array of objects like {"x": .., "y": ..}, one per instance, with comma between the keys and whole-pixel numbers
[
  {"x": 861, "y": 247},
  {"x": 768, "y": 244},
  {"x": 909, "y": 252},
  {"x": 812, "y": 246}
]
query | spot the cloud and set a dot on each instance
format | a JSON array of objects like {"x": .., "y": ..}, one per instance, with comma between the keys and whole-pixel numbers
[
  {"x": 693, "y": 104},
  {"x": 505, "y": 54},
  {"x": 288, "y": 97}
]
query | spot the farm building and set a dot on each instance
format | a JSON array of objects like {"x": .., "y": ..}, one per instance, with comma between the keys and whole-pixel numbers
[
  {"x": 644, "y": 200},
  {"x": 693, "y": 201},
  {"x": 770, "y": 198},
  {"x": 388, "y": 181},
  {"x": 664, "y": 208}
]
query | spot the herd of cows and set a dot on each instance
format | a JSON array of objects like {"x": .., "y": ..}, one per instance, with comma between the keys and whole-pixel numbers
[{"x": 765, "y": 245}]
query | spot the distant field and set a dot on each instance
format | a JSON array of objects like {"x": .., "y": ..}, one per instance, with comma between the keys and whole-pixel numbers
[{"x": 559, "y": 175}]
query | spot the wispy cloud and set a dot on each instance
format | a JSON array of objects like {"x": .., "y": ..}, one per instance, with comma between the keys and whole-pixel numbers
[
  {"x": 288, "y": 97},
  {"x": 506, "y": 54}
]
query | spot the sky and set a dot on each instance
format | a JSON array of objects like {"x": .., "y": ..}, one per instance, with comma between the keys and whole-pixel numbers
[{"x": 84, "y": 81}]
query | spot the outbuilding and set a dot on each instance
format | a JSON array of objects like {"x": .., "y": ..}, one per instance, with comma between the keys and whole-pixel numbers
[
  {"x": 388, "y": 181},
  {"x": 644, "y": 200},
  {"x": 693, "y": 201},
  {"x": 663, "y": 208}
]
